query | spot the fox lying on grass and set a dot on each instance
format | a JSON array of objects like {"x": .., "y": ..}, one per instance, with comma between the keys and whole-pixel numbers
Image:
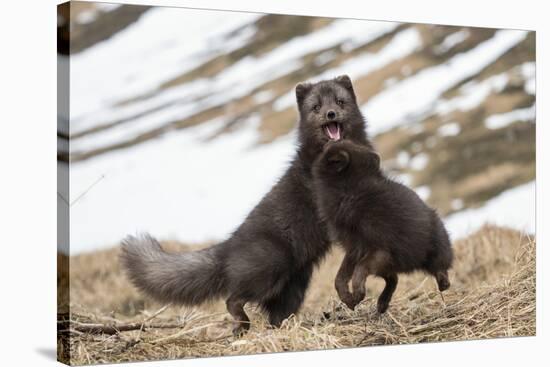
[
  {"x": 384, "y": 227},
  {"x": 269, "y": 259}
]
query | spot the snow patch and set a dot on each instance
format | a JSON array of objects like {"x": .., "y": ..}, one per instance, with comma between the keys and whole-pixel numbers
[
  {"x": 472, "y": 94},
  {"x": 86, "y": 16},
  {"x": 403, "y": 159},
  {"x": 504, "y": 119},
  {"x": 424, "y": 192},
  {"x": 450, "y": 129},
  {"x": 528, "y": 70},
  {"x": 452, "y": 40},
  {"x": 513, "y": 208},
  {"x": 419, "y": 162}
]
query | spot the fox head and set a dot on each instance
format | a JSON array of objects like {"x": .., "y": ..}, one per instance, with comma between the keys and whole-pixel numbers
[
  {"x": 329, "y": 112},
  {"x": 349, "y": 159}
]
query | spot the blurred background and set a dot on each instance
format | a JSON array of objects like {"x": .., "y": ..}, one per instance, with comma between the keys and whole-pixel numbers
[{"x": 181, "y": 120}]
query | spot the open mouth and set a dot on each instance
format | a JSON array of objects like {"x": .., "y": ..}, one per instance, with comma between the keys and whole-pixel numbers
[{"x": 333, "y": 130}]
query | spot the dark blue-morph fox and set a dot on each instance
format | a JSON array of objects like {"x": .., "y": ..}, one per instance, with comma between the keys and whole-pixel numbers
[{"x": 385, "y": 228}]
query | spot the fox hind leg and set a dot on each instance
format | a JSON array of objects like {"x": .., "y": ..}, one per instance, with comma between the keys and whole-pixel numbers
[
  {"x": 289, "y": 300},
  {"x": 378, "y": 263},
  {"x": 386, "y": 295},
  {"x": 235, "y": 306}
]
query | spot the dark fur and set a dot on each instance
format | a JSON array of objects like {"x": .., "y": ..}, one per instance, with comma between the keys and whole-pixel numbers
[
  {"x": 270, "y": 257},
  {"x": 383, "y": 225}
]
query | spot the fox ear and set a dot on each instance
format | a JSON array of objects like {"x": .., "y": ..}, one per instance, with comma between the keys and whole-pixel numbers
[
  {"x": 302, "y": 90},
  {"x": 337, "y": 160},
  {"x": 345, "y": 81}
]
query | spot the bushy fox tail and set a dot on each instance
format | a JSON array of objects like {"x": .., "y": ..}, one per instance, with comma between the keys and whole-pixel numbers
[{"x": 188, "y": 278}]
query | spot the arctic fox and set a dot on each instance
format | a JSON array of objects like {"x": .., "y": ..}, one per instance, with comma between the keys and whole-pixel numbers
[{"x": 383, "y": 225}]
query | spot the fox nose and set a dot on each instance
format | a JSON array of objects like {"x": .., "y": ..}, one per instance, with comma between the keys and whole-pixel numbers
[{"x": 331, "y": 115}]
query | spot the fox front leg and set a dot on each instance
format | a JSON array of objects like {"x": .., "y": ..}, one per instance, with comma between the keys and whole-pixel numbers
[{"x": 342, "y": 279}]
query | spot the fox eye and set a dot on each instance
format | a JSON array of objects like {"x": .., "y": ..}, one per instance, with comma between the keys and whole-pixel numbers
[
  {"x": 340, "y": 102},
  {"x": 317, "y": 108}
]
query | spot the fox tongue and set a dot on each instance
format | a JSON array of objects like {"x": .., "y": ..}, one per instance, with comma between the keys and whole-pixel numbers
[{"x": 333, "y": 131}]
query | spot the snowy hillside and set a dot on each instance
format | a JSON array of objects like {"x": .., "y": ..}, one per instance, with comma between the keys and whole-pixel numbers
[{"x": 184, "y": 119}]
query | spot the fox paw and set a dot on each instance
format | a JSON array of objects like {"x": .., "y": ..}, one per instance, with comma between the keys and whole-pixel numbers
[
  {"x": 382, "y": 306},
  {"x": 240, "y": 329},
  {"x": 443, "y": 284},
  {"x": 349, "y": 302}
]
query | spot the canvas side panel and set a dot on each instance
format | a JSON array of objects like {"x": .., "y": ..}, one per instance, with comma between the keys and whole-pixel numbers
[{"x": 63, "y": 94}]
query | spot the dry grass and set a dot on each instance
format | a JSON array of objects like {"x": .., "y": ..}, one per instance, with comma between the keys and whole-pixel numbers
[{"x": 492, "y": 295}]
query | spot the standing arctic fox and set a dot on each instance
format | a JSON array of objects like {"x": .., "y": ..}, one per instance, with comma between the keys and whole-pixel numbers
[
  {"x": 269, "y": 259},
  {"x": 383, "y": 225}
]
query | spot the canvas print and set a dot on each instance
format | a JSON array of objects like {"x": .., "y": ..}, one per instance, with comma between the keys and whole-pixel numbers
[{"x": 235, "y": 183}]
